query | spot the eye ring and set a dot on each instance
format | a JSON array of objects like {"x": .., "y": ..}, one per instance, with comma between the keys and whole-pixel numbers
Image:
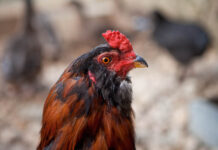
[{"x": 105, "y": 60}]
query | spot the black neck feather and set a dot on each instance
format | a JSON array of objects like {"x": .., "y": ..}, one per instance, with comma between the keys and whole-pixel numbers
[{"x": 114, "y": 90}]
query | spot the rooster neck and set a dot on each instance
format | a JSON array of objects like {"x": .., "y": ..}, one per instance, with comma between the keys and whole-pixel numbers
[
  {"x": 98, "y": 120},
  {"x": 112, "y": 89},
  {"x": 109, "y": 125},
  {"x": 93, "y": 116}
]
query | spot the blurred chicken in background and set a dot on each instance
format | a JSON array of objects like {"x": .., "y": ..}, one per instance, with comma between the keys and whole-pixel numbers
[
  {"x": 24, "y": 53},
  {"x": 92, "y": 26},
  {"x": 22, "y": 60},
  {"x": 184, "y": 41},
  {"x": 48, "y": 37}
]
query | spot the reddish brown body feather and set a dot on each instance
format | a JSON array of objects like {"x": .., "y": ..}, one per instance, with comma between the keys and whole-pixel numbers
[{"x": 105, "y": 128}]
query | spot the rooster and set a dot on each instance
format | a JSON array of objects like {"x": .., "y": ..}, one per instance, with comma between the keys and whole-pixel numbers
[{"x": 89, "y": 107}]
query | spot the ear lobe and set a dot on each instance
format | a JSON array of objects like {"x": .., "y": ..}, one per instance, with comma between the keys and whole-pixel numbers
[{"x": 92, "y": 77}]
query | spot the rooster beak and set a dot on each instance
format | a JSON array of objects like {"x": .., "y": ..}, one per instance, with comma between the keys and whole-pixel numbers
[{"x": 139, "y": 62}]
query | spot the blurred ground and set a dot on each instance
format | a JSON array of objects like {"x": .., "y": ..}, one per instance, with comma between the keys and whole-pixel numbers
[{"x": 160, "y": 101}]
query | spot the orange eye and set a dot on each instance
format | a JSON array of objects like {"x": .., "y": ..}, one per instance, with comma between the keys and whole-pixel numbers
[{"x": 106, "y": 60}]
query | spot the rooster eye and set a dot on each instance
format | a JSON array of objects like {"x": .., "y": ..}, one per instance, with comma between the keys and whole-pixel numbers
[{"x": 106, "y": 60}]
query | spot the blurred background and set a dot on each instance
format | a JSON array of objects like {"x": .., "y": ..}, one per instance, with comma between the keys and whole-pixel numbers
[{"x": 175, "y": 99}]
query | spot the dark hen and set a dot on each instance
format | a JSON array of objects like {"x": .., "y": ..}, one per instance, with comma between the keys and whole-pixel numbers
[
  {"x": 184, "y": 41},
  {"x": 22, "y": 58}
]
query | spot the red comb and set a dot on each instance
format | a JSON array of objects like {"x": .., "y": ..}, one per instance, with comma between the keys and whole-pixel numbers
[{"x": 117, "y": 40}]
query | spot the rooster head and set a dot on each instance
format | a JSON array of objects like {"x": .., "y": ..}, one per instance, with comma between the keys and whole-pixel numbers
[{"x": 116, "y": 56}]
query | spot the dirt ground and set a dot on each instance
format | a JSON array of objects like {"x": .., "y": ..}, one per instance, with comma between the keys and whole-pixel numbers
[{"x": 161, "y": 103}]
